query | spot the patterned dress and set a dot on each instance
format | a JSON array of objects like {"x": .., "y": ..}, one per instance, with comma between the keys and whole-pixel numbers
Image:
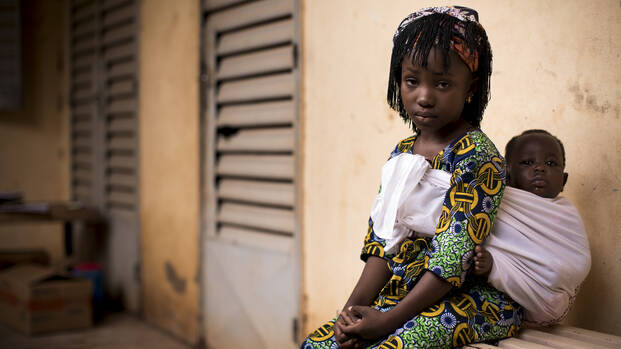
[{"x": 472, "y": 311}]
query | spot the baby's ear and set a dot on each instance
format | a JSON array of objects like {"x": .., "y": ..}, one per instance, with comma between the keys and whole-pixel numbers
[
  {"x": 507, "y": 176},
  {"x": 565, "y": 175}
]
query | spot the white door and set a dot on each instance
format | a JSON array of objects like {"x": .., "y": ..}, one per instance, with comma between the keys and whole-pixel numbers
[
  {"x": 250, "y": 220},
  {"x": 104, "y": 132}
]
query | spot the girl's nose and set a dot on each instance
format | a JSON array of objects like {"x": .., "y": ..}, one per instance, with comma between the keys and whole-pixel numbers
[{"x": 425, "y": 98}]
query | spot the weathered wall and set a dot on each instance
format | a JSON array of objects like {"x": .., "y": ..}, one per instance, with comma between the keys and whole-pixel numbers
[
  {"x": 34, "y": 142},
  {"x": 556, "y": 66},
  {"x": 169, "y": 114}
]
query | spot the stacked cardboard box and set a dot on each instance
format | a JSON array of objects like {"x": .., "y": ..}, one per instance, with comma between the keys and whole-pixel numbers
[{"x": 36, "y": 299}]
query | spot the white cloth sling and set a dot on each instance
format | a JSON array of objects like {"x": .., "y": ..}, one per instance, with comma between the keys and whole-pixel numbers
[
  {"x": 539, "y": 246},
  {"x": 397, "y": 211}
]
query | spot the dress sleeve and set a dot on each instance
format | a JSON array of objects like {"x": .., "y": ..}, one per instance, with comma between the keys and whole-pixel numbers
[
  {"x": 470, "y": 205},
  {"x": 373, "y": 244}
]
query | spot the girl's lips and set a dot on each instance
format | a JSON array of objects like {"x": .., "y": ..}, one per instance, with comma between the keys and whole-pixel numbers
[
  {"x": 539, "y": 183},
  {"x": 424, "y": 116}
]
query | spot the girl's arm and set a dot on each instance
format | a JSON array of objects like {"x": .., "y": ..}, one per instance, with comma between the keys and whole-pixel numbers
[
  {"x": 428, "y": 291},
  {"x": 373, "y": 278},
  {"x": 375, "y": 324}
]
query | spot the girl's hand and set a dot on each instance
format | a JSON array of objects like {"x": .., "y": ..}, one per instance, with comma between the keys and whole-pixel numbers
[
  {"x": 346, "y": 341},
  {"x": 482, "y": 261},
  {"x": 369, "y": 323}
]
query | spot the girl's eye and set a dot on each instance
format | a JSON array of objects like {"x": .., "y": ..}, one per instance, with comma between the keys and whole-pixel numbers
[
  {"x": 411, "y": 82},
  {"x": 551, "y": 163},
  {"x": 443, "y": 84},
  {"x": 526, "y": 162}
]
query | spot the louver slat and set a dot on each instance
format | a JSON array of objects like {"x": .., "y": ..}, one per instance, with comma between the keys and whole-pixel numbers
[
  {"x": 271, "y": 113},
  {"x": 258, "y": 140},
  {"x": 256, "y": 37},
  {"x": 257, "y": 192},
  {"x": 256, "y": 63},
  {"x": 250, "y": 13},
  {"x": 274, "y": 86},
  {"x": 267, "y": 218},
  {"x": 210, "y": 5},
  {"x": 257, "y": 166}
]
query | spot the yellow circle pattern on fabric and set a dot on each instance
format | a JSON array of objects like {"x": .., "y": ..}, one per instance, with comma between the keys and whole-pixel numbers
[
  {"x": 489, "y": 179},
  {"x": 464, "y": 305},
  {"x": 479, "y": 226},
  {"x": 463, "y": 146},
  {"x": 406, "y": 144},
  {"x": 392, "y": 343},
  {"x": 455, "y": 281},
  {"x": 463, "y": 197},
  {"x": 513, "y": 331},
  {"x": 444, "y": 221},
  {"x": 322, "y": 333},
  {"x": 433, "y": 310},
  {"x": 374, "y": 249},
  {"x": 491, "y": 312},
  {"x": 463, "y": 334}
]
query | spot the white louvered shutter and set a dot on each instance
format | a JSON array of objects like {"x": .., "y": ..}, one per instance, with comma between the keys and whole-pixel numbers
[
  {"x": 86, "y": 185},
  {"x": 104, "y": 130},
  {"x": 120, "y": 98},
  {"x": 251, "y": 173}
]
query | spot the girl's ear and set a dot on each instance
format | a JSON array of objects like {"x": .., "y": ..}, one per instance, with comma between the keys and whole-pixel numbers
[{"x": 474, "y": 85}]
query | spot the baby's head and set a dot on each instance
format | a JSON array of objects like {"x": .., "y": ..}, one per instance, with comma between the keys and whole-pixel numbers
[
  {"x": 536, "y": 163},
  {"x": 451, "y": 31}
]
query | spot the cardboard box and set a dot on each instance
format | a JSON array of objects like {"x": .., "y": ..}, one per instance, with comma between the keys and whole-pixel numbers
[{"x": 35, "y": 299}]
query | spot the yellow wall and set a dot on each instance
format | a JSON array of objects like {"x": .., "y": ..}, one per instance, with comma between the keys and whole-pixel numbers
[
  {"x": 34, "y": 143},
  {"x": 556, "y": 66},
  {"x": 169, "y": 164}
]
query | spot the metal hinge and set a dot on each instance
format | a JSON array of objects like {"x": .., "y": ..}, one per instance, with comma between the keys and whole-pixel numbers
[{"x": 295, "y": 55}]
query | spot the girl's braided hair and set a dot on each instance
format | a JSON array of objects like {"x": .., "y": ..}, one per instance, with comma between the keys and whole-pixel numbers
[{"x": 438, "y": 30}]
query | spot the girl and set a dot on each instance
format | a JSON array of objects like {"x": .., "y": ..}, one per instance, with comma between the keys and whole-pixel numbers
[{"x": 414, "y": 291}]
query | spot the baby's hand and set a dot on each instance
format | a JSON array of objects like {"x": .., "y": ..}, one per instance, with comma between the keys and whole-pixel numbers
[{"x": 482, "y": 261}]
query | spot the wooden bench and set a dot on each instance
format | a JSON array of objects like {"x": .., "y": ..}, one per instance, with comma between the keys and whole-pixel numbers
[{"x": 565, "y": 337}]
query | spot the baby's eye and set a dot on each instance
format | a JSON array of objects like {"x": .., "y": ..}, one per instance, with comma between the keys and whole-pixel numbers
[
  {"x": 526, "y": 162},
  {"x": 551, "y": 163}
]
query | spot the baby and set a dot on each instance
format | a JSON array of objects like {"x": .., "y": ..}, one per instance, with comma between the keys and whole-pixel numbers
[{"x": 538, "y": 252}]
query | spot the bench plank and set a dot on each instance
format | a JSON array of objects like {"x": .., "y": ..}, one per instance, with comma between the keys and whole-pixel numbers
[
  {"x": 555, "y": 341},
  {"x": 515, "y": 343},
  {"x": 479, "y": 346},
  {"x": 599, "y": 338}
]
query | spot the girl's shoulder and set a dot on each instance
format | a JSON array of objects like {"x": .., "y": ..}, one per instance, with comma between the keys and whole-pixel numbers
[
  {"x": 404, "y": 146},
  {"x": 473, "y": 143},
  {"x": 472, "y": 152}
]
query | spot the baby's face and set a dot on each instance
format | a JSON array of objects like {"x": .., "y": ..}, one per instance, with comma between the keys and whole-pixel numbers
[{"x": 537, "y": 165}]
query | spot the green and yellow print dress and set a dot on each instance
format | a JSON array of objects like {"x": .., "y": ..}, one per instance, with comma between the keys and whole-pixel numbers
[{"x": 473, "y": 311}]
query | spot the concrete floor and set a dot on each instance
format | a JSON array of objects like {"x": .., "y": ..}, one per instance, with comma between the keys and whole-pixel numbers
[{"x": 119, "y": 331}]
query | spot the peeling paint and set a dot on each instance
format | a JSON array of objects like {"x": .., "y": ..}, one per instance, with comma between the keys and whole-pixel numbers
[
  {"x": 178, "y": 284},
  {"x": 584, "y": 98}
]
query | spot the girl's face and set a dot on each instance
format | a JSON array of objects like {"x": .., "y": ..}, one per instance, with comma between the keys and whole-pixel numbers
[{"x": 434, "y": 98}]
